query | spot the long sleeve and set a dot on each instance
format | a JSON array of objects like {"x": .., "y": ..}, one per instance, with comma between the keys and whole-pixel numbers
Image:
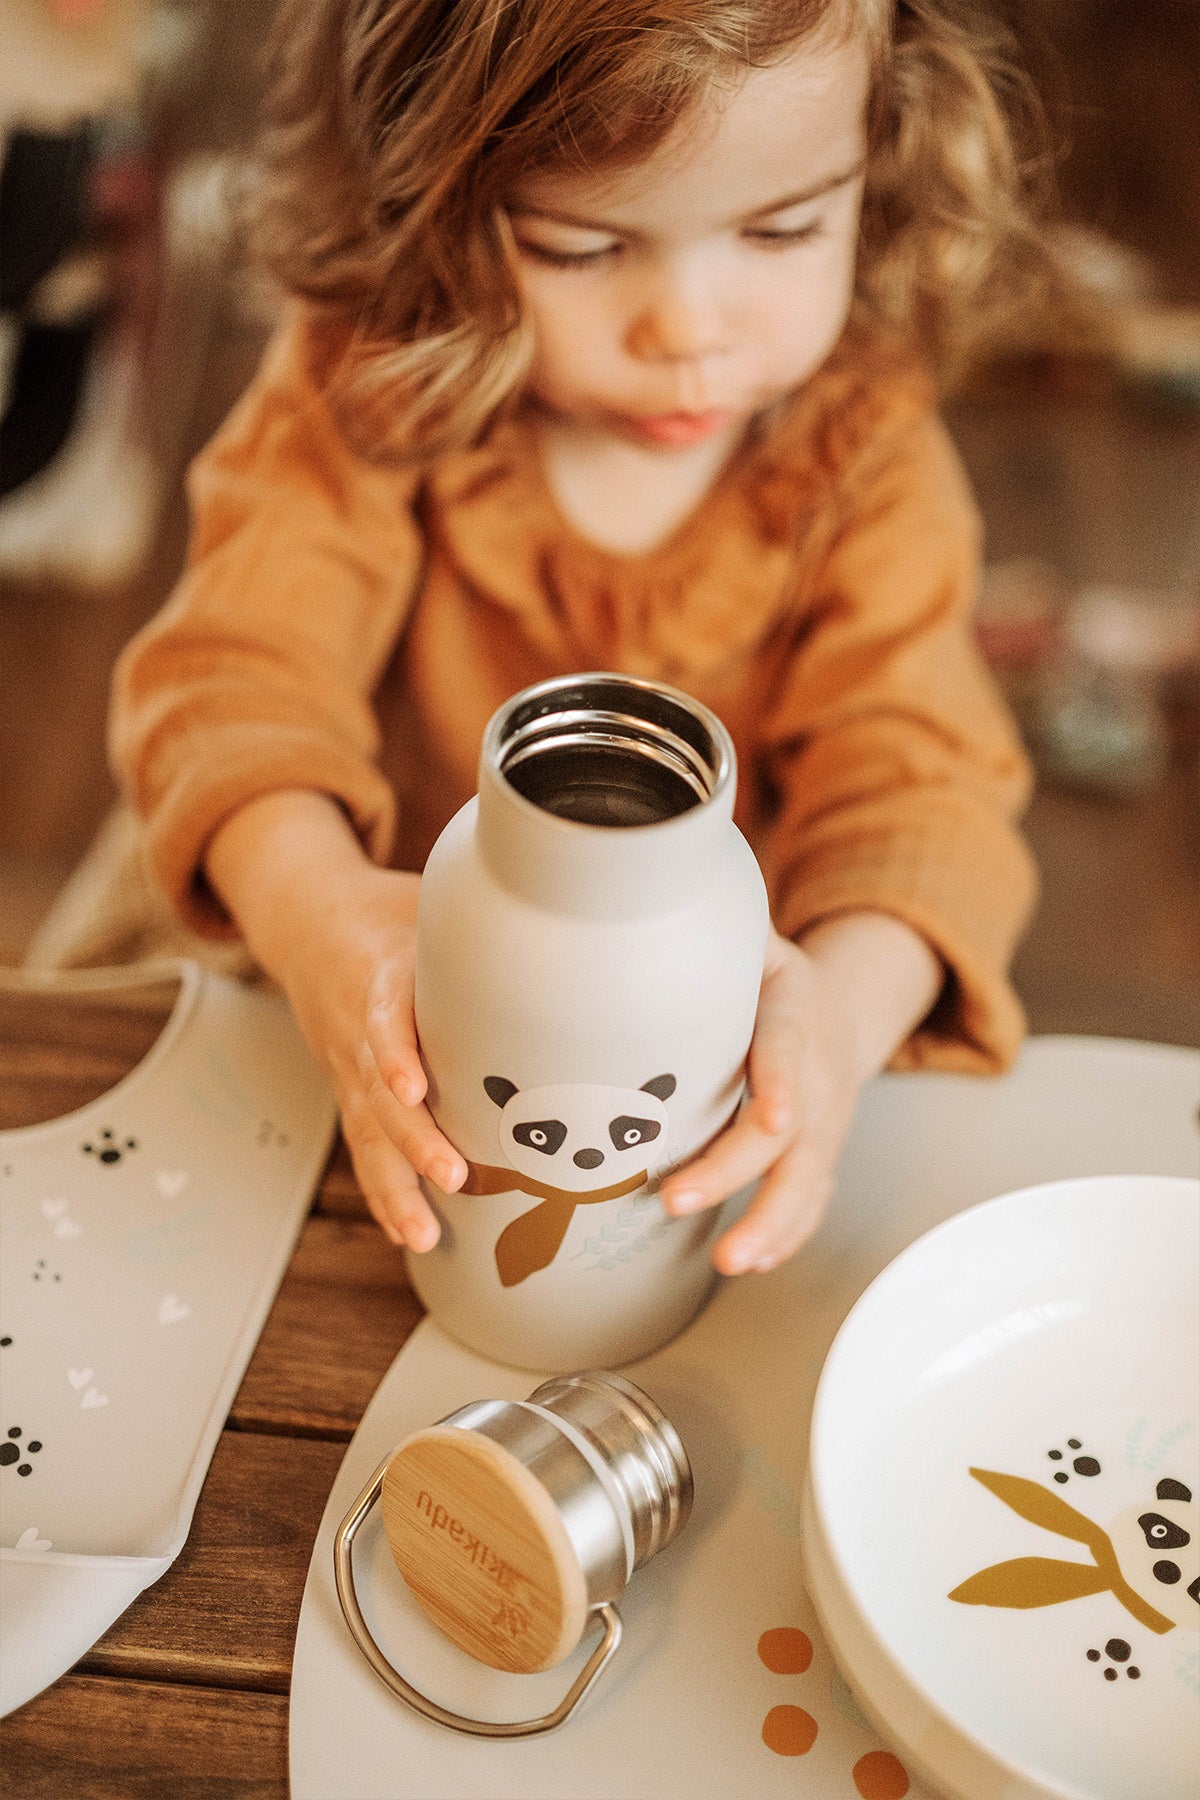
[
  {"x": 258, "y": 673},
  {"x": 896, "y": 771}
]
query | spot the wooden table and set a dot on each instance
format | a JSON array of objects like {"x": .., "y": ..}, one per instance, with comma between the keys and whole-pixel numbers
[{"x": 185, "y": 1698}]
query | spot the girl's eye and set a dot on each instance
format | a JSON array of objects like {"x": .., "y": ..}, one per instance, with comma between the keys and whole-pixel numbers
[
  {"x": 565, "y": 259},
  {"x": 799, "y": 234}
]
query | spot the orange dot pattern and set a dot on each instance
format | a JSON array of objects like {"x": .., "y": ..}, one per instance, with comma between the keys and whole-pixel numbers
[
  {"x": 880, "y": 1776},
  {"x": 789, "y": 1731},
  {"x": 785, "y": 1650}
]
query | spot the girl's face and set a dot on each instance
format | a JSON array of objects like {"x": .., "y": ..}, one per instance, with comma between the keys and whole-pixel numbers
[{"x": 672, "y": 300}]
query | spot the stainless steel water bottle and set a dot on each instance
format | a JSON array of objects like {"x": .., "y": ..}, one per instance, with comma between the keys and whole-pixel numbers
[{"x": 590, "y": 944}]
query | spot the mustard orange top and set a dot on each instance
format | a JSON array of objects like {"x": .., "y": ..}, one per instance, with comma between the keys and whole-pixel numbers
[{"x": 349, "y": 626}]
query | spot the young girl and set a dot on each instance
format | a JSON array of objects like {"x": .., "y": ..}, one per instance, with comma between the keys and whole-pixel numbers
[{"x": 609, "y": 346}]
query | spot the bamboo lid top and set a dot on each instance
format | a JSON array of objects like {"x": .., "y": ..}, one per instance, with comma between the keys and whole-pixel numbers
[{"x": 484, "y": 1549}]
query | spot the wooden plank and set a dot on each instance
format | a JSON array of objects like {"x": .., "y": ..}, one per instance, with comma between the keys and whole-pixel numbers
[
  {"x": 92, "y": 1738},
  {"x": 59, "y": 1051},
  {"x": 225, "y": 1613},
  {"x": 340, "y": 1196},
  {"x": 339, "y": 1318}
]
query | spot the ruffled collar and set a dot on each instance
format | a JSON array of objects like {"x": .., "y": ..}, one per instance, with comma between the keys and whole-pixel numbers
[{"x": 688, "y": 605}]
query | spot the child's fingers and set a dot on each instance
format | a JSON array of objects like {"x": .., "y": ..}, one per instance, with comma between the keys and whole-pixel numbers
[
  {"x": 412, "y": 1130},
  {"x": 739, "y": 1155},
  {"x": 392, "y": 1039},
  {"x": 785, "y": 1212},
  {"x": 388, "y": 1181},
  {"x": 779, "y": 1049}
]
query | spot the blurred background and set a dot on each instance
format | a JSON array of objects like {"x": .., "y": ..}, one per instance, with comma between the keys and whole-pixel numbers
[{"x": 128, "y": 326}]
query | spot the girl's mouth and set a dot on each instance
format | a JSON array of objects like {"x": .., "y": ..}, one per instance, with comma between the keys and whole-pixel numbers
[{"x": 679, "y": 429}]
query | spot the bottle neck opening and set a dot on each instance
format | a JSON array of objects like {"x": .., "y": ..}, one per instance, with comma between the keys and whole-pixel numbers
[{"x": 605, "y": 751}]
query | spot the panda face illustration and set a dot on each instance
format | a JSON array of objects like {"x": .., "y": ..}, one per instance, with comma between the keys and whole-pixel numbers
[
  {"x": 577, "y": 1137},
  {"x": 1158, "y": 1548}
]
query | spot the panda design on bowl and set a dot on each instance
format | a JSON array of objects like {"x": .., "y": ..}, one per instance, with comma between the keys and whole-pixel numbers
[
  {"x": 568, "y": 1145},
  {"x": 1148, "y": 1557},
  {"x": 1158, "y": 1547}
]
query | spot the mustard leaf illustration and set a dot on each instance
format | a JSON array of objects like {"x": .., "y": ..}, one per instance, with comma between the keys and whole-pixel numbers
[
  {"x": 1030, "y": 1581},
  {"x": 1041, "y": 1507}
]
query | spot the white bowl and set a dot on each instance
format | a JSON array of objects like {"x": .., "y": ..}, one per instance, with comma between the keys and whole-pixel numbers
[{"x": 1049, "y": 1340}]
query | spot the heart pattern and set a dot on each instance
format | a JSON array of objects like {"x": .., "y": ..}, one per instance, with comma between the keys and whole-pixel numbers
[
  {"x": 171, "y": 1309},
  {"x": 29, "y": 1540},
  {"x": 171, "y": 1182},
  {"x": 55, "y": 1213},
  {"x": 79, "y": 1378},
  {"x": 94, "y": 1398}
]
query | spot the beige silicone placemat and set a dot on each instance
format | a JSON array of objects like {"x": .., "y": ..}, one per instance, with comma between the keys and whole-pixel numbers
[
  {"x": 724, "y": 1684},
  {"x": 144, "y": 1237}
]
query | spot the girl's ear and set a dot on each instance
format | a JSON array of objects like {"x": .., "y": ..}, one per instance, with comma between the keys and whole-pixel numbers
[
  {"x": 499, "y": 1089},
  {"x": 662, "y": 1087}
]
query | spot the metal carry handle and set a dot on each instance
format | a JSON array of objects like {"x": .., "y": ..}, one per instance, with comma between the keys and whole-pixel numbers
[{"x": 343, "y": 1565}]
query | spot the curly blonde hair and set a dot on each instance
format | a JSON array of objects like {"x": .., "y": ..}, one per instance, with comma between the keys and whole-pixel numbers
[{"x": 395, "y": 129}]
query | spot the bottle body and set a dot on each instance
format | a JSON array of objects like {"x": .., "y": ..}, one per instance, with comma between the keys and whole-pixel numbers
[{"x": 585, "y": 999}]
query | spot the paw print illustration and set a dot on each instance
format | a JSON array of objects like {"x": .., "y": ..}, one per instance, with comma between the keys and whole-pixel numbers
[
  {"x": 1117, "y": 1651},
  {"x": 790, "y": 1731},
  {"x": 106, "y": 1148},
  {"x": 11, "y": 1451},
  {"x": 1082, "y": 1465}
]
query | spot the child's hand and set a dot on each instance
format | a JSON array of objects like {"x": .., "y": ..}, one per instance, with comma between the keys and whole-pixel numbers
[
  {"x": 351, "y": 988},
  {"x": 339, "y": 936},
  {"x": 830, "y": 1013}
]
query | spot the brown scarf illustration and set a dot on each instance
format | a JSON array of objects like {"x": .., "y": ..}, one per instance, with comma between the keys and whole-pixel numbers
[{"x": 532, "y": 1241}]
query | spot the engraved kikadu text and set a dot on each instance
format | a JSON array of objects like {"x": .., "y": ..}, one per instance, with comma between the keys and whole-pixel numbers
[{"x": 472, "y": 1546}]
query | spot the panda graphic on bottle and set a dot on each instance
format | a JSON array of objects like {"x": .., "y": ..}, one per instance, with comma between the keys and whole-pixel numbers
[{"x": 568, "y": 1145}]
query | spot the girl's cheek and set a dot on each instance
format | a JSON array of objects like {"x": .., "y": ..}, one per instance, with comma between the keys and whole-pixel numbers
[
  {"x": 557, "y": 317},
  {"x": 804, "y": 328},
  {"x": 824, "y": 301}
]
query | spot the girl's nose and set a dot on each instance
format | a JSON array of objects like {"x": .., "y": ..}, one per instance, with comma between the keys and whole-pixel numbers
[{"x": 678, "y": 323}]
